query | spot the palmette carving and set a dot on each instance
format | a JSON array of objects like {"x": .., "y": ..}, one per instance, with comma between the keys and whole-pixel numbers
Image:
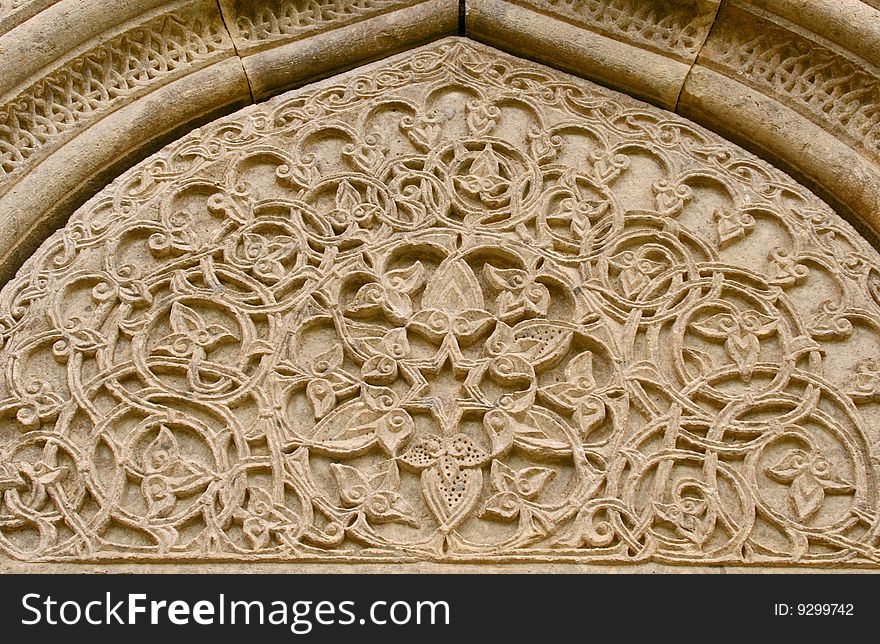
[{"x": 458, "y": 308}]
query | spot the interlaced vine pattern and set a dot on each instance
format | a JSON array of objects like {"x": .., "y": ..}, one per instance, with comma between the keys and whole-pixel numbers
[{"x": 457, "y": 307}]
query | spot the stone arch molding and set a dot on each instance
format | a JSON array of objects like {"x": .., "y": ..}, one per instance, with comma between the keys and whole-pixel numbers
[{"x": 454, "y": 307}]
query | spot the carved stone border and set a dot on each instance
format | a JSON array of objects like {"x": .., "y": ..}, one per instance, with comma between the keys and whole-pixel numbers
[{"x": 794, "y": 82}]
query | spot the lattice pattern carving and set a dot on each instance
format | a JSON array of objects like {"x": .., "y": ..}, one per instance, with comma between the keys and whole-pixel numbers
[
  {"x": 257, "y": 21},
  {"x": 820, "y": 83},
  {"x": 459, "y": 307},
  {"x": 677, "y": 28},
  {"x": 95, "y": 81}
]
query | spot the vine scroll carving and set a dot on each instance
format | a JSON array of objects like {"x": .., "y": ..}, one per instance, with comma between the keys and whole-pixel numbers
[{"x": 453, "y": 307}]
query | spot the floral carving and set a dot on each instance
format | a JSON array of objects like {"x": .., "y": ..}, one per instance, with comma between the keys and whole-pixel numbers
[
  {"x": 811, "y": 477},
  {"x": 460, "y": 308}
]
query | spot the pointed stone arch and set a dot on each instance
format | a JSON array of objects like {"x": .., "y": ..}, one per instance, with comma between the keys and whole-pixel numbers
[{"x": 452, "y": 307}]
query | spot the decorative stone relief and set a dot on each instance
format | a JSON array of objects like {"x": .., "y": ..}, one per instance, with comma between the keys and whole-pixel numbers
[
  {"x": 456, "y": 307},
  {"x": 38, "y": 116},
  {"x": 259, "y": 21},
  {"x": 813, "y": 79},
  {"x": 672, "y": 26}
]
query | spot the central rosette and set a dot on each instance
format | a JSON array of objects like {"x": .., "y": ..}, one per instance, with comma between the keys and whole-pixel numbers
[{"x": 440, "y": 381}]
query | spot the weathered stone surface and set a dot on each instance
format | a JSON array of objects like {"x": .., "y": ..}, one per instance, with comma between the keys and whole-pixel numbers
[
  {"x": 807, "y": 89},
  {"x": 14, "y": 12},
  {"x": 676, "y": 28},
  {"x": 89, "y": 86},
  {"x": 817, "y": 81},
  {"x": 456, "y": 307},
  {"x": 80, "y": 104},
  {"x": 39, "y": 114},
  {"x": 92, "y": 86},
  {"x": 795, "y": 82},
  {"x": 287, "y": 42},
  {"x": 642, "y": 48}
]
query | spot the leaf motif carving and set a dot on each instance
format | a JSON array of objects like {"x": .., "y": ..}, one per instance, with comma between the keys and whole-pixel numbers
[
  {"x": 453, "y": 288},
  {"x": 348, "y": 430},
  {"x": 451, "y": 493},
  {"x": 453, "y": 306},
  {"x": 810, "y": 477},
  {"x": 322, "y": 397}
]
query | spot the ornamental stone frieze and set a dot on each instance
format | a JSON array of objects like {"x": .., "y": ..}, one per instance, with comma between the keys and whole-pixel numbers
[{"x": 452, "y": 307}]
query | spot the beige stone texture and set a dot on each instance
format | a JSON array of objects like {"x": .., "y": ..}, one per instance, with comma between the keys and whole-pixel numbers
[
  {"x": 450, "y": 311},
  {"x": 645, "y": 48},
  {"x": 455, "y": 307},
  {"x": 641, "y": 48},
  {"x": 97, "y": 85},
  {"x": 811, "y": 100},
  {"x": 287, "y": 42}
]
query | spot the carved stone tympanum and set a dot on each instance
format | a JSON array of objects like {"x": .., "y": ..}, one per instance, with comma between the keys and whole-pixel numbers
[{"x": 455, "y": 307}]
